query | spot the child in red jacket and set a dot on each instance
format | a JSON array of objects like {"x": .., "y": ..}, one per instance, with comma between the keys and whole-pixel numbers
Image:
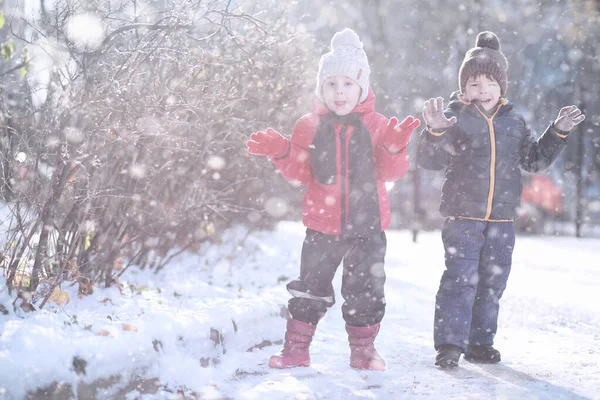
[{"x": 344, "y": 152}]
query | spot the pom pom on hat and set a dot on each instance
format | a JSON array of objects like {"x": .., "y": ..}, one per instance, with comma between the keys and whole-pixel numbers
[
  {"x": 346, "y": 58},
  {"x": 347, "y": 37},
  {"x": 487, "y": 39},
  {"x": 487, "y": 59}
]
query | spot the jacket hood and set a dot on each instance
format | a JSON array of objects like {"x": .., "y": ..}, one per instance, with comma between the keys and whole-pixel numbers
[{"x": 319, "y": 107}]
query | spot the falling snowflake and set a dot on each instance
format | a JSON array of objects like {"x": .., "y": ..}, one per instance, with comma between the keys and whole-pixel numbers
[{"x": 86, "y": 31}]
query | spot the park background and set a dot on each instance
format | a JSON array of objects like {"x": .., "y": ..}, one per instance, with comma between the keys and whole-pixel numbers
[{"x": 123, "y": 126}]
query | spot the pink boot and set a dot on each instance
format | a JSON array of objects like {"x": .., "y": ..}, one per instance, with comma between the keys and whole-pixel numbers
[
  {"x": 295, "y": 349},
  {"x": 362, "y": 352}
]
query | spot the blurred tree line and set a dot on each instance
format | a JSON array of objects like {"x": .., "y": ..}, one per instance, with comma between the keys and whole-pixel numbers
[{"x": 124, "y": 123}]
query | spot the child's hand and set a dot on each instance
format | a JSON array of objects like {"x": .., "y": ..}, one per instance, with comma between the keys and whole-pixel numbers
[
  {"x": 433, "y": 114},
  {"x": 270, "y": 143},
  {"x": 397, "y": 135},
  {"x": 568, "y": 117}
]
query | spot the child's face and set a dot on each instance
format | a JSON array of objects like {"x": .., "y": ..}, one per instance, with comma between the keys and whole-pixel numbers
[
  {"x": 341, "y": 94},
  {"x": 483, "y": 89}
]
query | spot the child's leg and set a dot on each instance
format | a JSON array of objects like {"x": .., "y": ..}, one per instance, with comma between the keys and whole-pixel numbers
[
  {"x": 364, "y": 299},
  {"x": 463, "y": 240},
  {"x": 313, "y": 291},
  {"x": 363, "y": 280},
  {"x": 494, "y": 268}
]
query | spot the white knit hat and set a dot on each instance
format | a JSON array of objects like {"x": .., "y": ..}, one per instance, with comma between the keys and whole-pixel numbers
[{"x": 346, "y": 58}]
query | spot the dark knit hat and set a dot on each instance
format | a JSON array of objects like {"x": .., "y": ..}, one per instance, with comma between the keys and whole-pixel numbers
[{"x": 485, "y": 58}]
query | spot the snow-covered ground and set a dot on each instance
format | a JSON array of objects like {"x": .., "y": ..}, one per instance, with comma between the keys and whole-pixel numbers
[{"x": 186, "y": 331}]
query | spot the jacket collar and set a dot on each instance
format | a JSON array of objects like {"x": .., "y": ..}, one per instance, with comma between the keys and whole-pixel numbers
[{"x": 458, "y": 103}]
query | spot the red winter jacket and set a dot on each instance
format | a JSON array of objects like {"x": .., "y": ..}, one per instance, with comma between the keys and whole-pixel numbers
[{"x": 321, "y": 209}]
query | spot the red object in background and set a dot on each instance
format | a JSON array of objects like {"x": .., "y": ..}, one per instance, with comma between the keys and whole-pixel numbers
[{"x": 543, "y": 192}]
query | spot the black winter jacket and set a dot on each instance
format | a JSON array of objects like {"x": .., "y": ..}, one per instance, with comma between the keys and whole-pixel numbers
[{"x": 483, "y": 157}]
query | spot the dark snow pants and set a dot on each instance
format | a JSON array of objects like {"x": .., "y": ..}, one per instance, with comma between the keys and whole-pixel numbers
[
  {"x": 362, "y": 280},
  {"x": 478, "y": 260}
]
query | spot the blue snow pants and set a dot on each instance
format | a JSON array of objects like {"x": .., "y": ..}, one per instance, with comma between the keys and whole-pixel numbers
[
  {"x": 478, "y": 258},
  {"x": 363, "y": 278}
]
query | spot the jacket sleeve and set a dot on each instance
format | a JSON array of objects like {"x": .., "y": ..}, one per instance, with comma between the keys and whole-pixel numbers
[
  {"x": 537, "y": 155},
  {"x": 295, "y": 165},
  {"x": 433, "y": 149},
  {"x": 390, "y": 166}
]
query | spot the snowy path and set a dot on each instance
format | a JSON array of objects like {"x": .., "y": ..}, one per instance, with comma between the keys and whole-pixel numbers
[
  {"x": 195, "y": 320},
  {"x": 549, "y": 334}
]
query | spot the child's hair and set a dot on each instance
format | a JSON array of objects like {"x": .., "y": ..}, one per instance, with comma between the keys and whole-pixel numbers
[
  {"x": 346, "y": 58},
  {"x": 484, "y": 59}
]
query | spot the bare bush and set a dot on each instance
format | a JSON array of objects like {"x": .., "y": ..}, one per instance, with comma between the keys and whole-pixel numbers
[{"x": 136, "y": 149}]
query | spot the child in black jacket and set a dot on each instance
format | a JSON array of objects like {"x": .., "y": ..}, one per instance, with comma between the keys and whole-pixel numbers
[{"x": 482, "y": 142}]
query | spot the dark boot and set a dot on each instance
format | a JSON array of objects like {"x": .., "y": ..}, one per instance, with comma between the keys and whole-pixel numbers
[
  {"x": 448, "y": 356},
  {"x": 362, "y": 351},
  {"x": 484, "y": 354},
  {"x": 295, "y": 349}
]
